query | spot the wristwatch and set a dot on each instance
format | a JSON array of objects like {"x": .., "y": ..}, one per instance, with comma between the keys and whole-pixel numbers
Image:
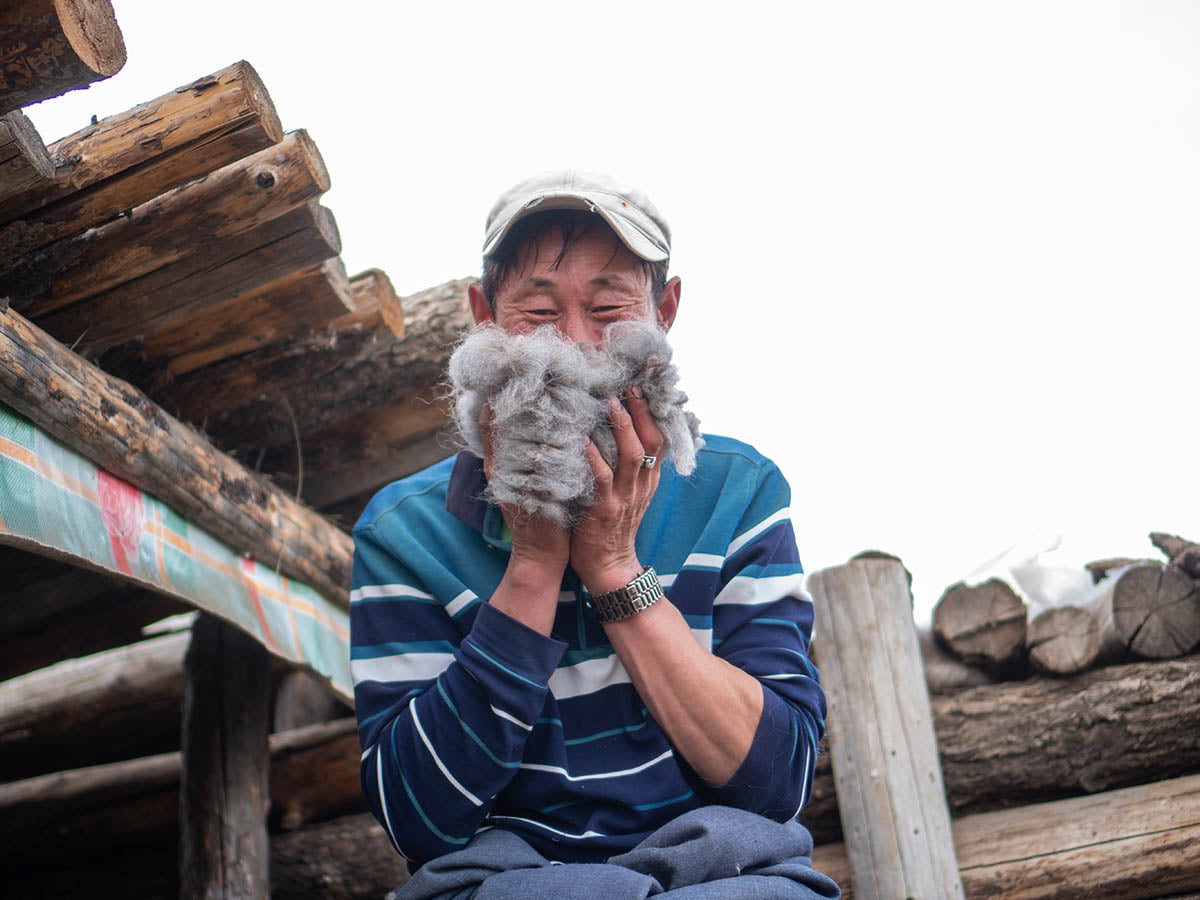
[{"x": 640, "y": 594}]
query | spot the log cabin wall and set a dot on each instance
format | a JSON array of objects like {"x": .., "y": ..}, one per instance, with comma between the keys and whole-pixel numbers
[{"x": 175, "y": 261}]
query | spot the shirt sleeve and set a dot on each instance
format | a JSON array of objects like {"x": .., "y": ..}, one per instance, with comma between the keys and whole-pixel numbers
[
  {"x": 762, "y": 623},
  {"x": 443, "y": 719}
]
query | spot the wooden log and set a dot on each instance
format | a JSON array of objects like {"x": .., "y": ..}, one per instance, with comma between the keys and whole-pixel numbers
[
  {"x": 84, "y": 712},
  {"x": 344, "y": 373},
  {"x": 122, "y": 161},
  {"x": 373, "y": 290},
  {"x": 231, "y": 200},
  {"x": 1020, "y": 742},
  {"x": 41, "y": 593},
  {"x": 297, "y": 302},
  {"x": 347, "y": 859},
  {"x": 1101, "y": 568},
  {"x": 1150, "y": 611},
  {"x": 50, "y": 47},
  {"x": 982, "y": 624},
  {"x": 300, "y": 700},
  {"x": 885, "y": 759},
  {"x": 25, "y": 163},
  {"x": 302, "y": 237},
  {"x": 945, "y": 673},
  {"x": 1132, "y": 844},
  {"x": 119, "y": 429},
  {"x": 1182, "y": 553},
  {"x": 1063, "y": 641},
  {"x": 314, "y": 776},
  {"x": 225, "y": 761}
]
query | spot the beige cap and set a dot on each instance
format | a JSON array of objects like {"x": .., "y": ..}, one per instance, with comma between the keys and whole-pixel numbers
[{"x": 627, "y": 210}]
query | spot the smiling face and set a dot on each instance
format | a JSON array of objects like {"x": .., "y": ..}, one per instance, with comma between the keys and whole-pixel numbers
[{"x": 595, "y": 282}]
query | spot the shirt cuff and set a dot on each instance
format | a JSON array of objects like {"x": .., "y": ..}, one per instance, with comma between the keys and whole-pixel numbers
[{"x": 528, "y": 653}]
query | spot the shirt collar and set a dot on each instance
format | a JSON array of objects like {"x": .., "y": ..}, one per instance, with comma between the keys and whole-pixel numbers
[{"x": 464, "y": 500}]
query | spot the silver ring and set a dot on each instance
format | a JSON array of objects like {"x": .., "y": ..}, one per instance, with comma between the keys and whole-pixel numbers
[{"x": 649, "y": 461}]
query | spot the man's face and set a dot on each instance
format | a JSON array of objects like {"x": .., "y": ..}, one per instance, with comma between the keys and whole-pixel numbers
[{"x": 597, "y": 283}]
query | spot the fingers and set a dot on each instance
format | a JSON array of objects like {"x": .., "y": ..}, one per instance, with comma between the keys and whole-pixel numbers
[
  {"x": 643, "y": 423},
  {"x": 629, "y": 446}
]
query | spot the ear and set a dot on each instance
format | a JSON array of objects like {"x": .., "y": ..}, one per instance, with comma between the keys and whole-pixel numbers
[
  {"x": 480, "y": 308},
  {"x": 668, "y": 304}
]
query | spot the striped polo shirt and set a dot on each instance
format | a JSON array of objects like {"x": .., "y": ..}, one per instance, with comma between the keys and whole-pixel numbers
[{"x": 470, "y": 720}]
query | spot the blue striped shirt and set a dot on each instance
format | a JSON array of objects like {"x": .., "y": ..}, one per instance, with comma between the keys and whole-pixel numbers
[{"x": 470, "y": 720}]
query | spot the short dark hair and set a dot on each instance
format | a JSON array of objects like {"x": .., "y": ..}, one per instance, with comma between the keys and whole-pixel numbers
[{"x": 571, "y": 225}]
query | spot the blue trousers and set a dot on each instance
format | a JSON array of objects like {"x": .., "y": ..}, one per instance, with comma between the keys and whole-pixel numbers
[{"x": 713, "y": 853}]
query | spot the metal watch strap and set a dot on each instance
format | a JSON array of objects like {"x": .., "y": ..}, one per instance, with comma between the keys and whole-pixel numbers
[{"x": 640, "y": 594}]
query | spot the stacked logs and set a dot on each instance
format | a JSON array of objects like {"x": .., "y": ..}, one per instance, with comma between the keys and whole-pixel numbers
[{"x": 1145, "y": 610}]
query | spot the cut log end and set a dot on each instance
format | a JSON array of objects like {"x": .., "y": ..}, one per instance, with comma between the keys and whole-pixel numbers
[
  {"x": 258, "y": 98},
  {"x": 982, "y": 624},
  {"x": 1063, "y": 641},
  {"x": 90, "y": 26},
  {"x": 1152, "y": 612}
]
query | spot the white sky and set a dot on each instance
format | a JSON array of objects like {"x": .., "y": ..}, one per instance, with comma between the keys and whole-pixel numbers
[{"x": 940, "y": 259}]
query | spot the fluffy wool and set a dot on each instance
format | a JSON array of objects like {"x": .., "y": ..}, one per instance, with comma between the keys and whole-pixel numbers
[{"x": 547, "y": 396}]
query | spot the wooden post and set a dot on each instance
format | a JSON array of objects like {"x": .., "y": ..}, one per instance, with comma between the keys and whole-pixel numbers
[
  {"x": 881, "y": 738},
  {"x": 224, "y": 850},
  {"x": 50, "y": 47}
]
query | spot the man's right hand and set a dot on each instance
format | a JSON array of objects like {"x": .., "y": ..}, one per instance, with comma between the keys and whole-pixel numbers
[{"x": 529, "y": 590}]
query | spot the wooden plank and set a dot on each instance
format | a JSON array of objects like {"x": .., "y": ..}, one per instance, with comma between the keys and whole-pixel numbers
[
  {"x": 1132, "y": 844},
  {"x": 224, "y": 851},
  {"x": 121, "y": 161},
  {"x": 25, "y": 163},
  {"x": 118, "y": 428},
  {"x": 885, "y": 763},
  {"x": 301, "y": 237},
  {"x": 299, "y": 301},
  {"x": 50, "y": 47},
  {"x": 233, "y": 199}
]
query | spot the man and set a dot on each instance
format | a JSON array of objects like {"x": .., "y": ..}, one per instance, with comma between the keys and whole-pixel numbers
[{"x": 525, "y": 698}]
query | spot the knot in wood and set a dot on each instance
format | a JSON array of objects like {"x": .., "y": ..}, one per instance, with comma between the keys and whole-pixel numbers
[{"x": 265, "y": 179}]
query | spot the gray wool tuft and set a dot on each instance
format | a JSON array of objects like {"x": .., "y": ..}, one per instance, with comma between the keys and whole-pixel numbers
[{"x": 548, "y": 395}]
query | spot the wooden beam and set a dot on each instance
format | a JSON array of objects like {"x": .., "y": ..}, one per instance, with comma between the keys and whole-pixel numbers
[
  {"x": 230, "y": 201},
  {"x": 296, "y": 302},
  {"x": 881, "y": 739},
  {"x": 25, "y": 163},
  {"x": 121, "y": 430},
  {"x": 85, "y": 712},
  {"x": 122, "y": 161},
  {"x": 226, "y": 268},
  {"x": 50, "y": 47},
  {"x": 314, "y": 776},
  {"x": 224, "y": 850}
]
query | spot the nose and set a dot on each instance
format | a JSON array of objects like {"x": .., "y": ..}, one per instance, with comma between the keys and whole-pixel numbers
[{"x": 579, "y": 328}]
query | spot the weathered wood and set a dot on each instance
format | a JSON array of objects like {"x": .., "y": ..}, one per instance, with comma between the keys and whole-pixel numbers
[
  {"x": 297, "y": 302},
  {"x": 84, "y": 712},
  {"x": 982, "y": 624},
  {"x": 300, "y": 700},
  {"x": 224, "y": 790},
  {"x": 1063, "y": 641},
  {"x": 1019, "y": 742},
  {"x": 378, "y": 301},
  {"x": 225, "y": 269},
  {"x": 122, "y": 161},
  {"x": 1184, "y": 554},
  {"x": 314, "y": 776},
  {"x": 1100, "y": 568},
  {"x": 881, "y": 738},
  {"x": 237, "y": 197},
  {"x": 944, "y": 672},
  {"x": 50, "y": 47},
  {"x": 119, "y": 429},
  {"x": 1150, "y": 611},
  {"x": 25, "y": 163},
  {"x": 41, "y": 593},
  {"x": 346, "y": 859},
  {"x": 1132, "y": 844}
]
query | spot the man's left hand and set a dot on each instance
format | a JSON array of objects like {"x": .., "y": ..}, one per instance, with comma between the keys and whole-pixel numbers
[{"x": 602, "y": 545}]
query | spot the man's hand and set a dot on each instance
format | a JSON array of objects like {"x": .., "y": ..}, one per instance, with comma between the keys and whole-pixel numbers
[
  {"x": 602, "y": 545},
  {"x": 528, "y": 592}
]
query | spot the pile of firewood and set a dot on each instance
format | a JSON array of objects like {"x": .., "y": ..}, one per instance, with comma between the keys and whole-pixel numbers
[{"x": 1145, "y": 610}]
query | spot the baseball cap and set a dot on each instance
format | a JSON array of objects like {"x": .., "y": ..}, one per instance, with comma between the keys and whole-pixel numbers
[{"x": 627, "y": 210}]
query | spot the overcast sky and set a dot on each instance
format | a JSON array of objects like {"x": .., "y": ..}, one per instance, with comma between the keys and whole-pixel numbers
[{"x": 940, "y": 259}]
